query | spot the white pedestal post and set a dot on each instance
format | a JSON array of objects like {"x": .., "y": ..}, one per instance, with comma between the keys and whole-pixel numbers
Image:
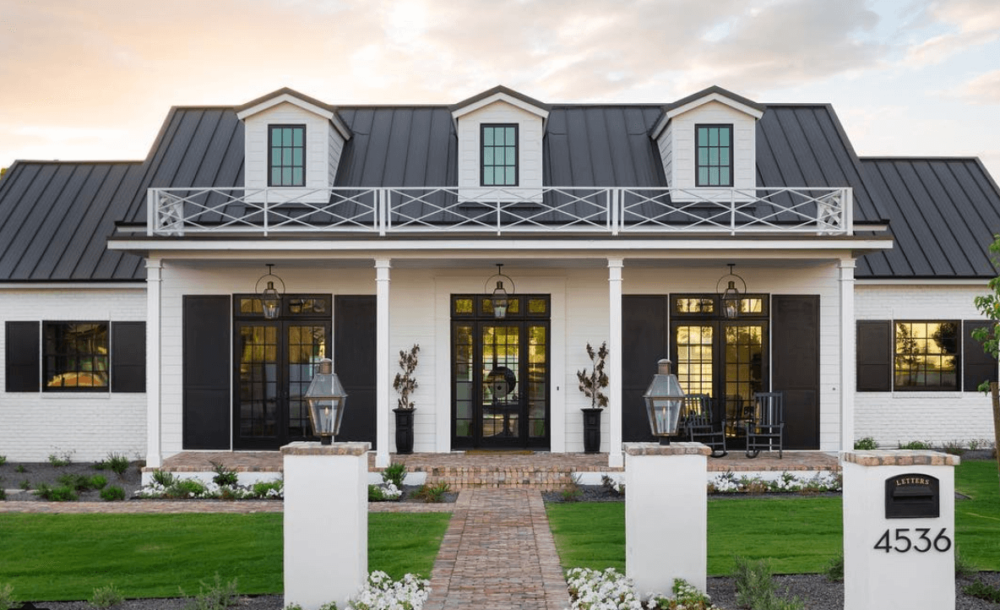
[
  {"x": 666, "y": 515},
  {"x": 326, "y": 522},
  {"x": 895, "y": 554}
]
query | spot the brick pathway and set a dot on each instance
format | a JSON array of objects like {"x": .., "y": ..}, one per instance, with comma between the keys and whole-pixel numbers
[{"x": 498, "y": 554}]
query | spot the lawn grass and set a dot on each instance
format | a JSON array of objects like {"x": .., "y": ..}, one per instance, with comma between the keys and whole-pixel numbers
[
  {"x": 64, "y": 557},
  {"x": 799, "y": 534}
]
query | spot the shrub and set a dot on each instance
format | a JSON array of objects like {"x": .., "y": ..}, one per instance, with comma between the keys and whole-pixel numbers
[
  {"x": 185, "y": 488},
  {"x": 3, "y": 492},
  {"x": 163, "y": 478},
  {"x": 218, "y": 596},
  {"x": 384, "y": 493},
  {"x": 106, "y": 597},
  {"x": 755, "y": 587},
  {"x": 976, "y": 589},
  {"x": 953, "y": 448},
  {"x": 81, "y": 483},
  {"x": 395, "y": 473},
  {"x": 834, "y": 571},
  {"x": 60, "y": 459},
  {"x": 433, "y": 494},
  {"x": 269, "y": 489},
  {"x": 3, "y": 460},
  {"x": 865, "y": 444},
  {"x": 115, "y": 462},
  {"x": 56, "y": 494},
  {"x": 26, "y": 485},
  {"x": 613, "y": 487},
  {"x": 20, "y": 468},
  {"x": 224, "y": 477},
  {"x": 113, "y": 494},
  {"x": 6, "y": 597},
  {"x": 98, "y": 482},
  {"x": 686, "y": 597},
  {"x": 916, "y": 445}
]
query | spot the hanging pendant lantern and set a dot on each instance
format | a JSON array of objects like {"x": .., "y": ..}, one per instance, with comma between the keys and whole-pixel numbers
[
  {"x": 499, "y": 297},
  {"x": 731, "y": 297},
  {"x": 270, "y": 298}
]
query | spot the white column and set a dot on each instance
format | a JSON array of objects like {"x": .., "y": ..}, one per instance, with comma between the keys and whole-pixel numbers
[
  {"x": 382, "y": 364},
  {"x": 615, "y": 457},
  {"x": 154, "y": 450},
  {"x": 899, "y": 538},
  {"x": 325, "y": 522},
  {"x": 848, "y": 354},
  {"x": 666, "y": 515}
]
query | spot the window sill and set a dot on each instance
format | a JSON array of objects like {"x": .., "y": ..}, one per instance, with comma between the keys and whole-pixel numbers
[
  {"x": 76, "y": 395},
  {"x": 928, "y": 394}
]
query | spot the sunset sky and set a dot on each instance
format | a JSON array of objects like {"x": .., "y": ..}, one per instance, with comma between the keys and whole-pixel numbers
[{"x": 94, "y": 79}]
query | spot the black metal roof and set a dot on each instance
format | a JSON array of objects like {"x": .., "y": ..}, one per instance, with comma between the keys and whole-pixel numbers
[
  {"x": 55, "y": 218},
  {"x": 943, "y": 213}
]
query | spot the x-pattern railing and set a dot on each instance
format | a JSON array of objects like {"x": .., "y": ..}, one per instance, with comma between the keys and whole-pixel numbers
[{"x": 590, "y": 210}]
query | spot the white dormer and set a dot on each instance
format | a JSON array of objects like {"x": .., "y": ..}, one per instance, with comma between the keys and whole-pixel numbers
[
  {"x": 708, "y": 146},
  {"x": 500, "y": 135},
  {"x": 292, "y": 145}
]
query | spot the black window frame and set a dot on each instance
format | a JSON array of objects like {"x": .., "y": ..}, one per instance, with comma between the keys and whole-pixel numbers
[
  {"x": 47, "y": 372},
  {"x": 482, "y": 154},
  {"x": 270, "y": 154},
  {"x": 698, "y": 165},
  {"x": 957, "y": 355}
]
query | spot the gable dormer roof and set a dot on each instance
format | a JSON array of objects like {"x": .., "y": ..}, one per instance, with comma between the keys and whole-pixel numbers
[
  {"x": 500, "y": 94},
  {"x": 291, "y": 96},
  {"x": 705, "y": 96}
]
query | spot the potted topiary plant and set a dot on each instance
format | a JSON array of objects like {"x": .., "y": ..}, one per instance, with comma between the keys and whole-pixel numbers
[
  {"x": 591, "y": 385},
  {"x": 405, "y": 384}
]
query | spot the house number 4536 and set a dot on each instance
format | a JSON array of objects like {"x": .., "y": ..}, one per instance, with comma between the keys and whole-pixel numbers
[{"x": 902, "y": 541}]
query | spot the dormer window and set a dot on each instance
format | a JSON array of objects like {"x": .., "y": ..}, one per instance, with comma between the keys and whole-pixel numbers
[
  {"x": 714, "y": 155},
  {"x": 287, "y": 160},
  {"x": 499, "y": 155}
]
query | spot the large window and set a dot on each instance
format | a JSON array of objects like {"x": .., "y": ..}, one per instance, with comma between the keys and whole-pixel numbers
[
  {"x": 499, "y": 155},
  {"x": 287, "y": 163},
  {"x": 75, "y": 356},
  {"x": 713, "y": 155},
  {"x": 926, "y": 355}
]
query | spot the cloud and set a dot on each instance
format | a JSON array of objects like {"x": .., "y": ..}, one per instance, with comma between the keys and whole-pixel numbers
[
  {"x": 982, "y": 90},
  {"x": 967, "y": 24}
]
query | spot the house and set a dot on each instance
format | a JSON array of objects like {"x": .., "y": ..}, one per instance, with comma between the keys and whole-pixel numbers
[{"x": 131, "y": 292}]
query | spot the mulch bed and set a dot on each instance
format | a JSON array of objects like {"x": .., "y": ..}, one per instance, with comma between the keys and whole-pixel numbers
[{"x": 13, "y": 476}]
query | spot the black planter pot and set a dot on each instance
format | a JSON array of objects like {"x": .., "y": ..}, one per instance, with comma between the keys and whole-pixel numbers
[
  {"x": 592, "y": 430},
  {"x": 404, "y": 430}
]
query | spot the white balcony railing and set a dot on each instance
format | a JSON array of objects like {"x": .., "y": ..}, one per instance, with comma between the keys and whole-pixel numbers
[{"x": 453, "y": 210}]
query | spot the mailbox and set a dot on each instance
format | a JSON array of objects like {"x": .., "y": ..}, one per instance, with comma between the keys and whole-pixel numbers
[{"x": 912, "y": 496}]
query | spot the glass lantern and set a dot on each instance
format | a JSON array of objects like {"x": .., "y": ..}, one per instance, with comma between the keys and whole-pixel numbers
[
  {"x": 327, "y": 400},
  {"x": 664, "y": 400}
]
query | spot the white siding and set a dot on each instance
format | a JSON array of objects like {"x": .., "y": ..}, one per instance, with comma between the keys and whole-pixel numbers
[
  {"x": 323, "y": 147},
  {"x": 938, "y": 417},
  {"x": 679, "y": 137},
  {"x": 34, "y": 425},
  {"x": 529, "y": 151}
]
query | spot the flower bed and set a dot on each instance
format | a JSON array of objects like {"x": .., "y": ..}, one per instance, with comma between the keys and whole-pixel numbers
[
  {"x": 611, "y": 590},
  {"x": 729, "y": 483}
]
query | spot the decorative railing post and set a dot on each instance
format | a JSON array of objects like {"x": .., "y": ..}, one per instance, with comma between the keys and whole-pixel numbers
[{"x": 152, "y": 203}]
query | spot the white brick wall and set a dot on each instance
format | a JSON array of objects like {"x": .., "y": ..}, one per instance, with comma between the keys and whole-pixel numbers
[
  {"x": 34, "y": 425},
  {"x": 938, "y": 417}
]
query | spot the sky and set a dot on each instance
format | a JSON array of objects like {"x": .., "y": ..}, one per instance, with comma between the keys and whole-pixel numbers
[{"x": 94, "y": 79}]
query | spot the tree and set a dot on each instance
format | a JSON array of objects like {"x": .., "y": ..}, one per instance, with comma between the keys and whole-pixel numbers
[
  {"x": 989, "y": 306},
  {"x": 592, "y": 383}
]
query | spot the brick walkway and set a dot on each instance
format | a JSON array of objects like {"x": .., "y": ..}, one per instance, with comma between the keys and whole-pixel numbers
[{"x": 498, "y": 554}]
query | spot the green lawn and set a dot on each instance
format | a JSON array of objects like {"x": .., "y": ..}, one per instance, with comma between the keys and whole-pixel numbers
[
  {"x": 799, "y": 535},
  {"x": 64, "y": 557}
]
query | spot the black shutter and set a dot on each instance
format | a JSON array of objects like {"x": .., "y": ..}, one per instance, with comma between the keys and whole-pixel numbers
[
  {"x": 128, "y": 356},
  {"x": 874, "y": 356},
  {"x": 207, "y": 352},
  {"x": 645, "y": 340},
  {"x": 795, "y": 371},
  {"x": 22, "y": 357},
  {"x": 979, "y": 366},
  {"x": 354, "y": 342}
]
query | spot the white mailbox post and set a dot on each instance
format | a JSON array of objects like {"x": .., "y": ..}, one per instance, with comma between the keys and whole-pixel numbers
[
  {"x": 666, "y": 515},
  {"x": 899, "y": 530},
  {"x": 326, "y": 522}
]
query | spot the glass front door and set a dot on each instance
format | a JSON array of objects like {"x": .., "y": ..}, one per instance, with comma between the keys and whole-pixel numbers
[
  {"x": 500, "y": 374},
  {"x": 275, "y": 362}
]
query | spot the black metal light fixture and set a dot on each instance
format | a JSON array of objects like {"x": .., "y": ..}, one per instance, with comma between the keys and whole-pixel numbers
[
  {"x": 664, "y": 400},
  {"x": 730, "y": 297},
  {"x": 499, "y": 298},
  {"x": 326, "y": 399},
  {"x": 270, "y": 298}
]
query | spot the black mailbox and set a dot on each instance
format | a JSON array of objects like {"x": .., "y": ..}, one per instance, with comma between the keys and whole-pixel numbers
[{"x": 912, "y": 496}]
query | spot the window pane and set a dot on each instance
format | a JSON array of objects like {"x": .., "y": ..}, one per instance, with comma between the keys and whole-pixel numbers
[
  {"x": 511, "y": 155},
  {"x": 498, "y": 176},
  {"x": 297, "y": 141},
  {"x": 498, "y": 137},
  {"x": 713, "y": 156},
  {"x": 713, "y": 136},
  {"x": 703, "y": 175},
  {"x": 286, "y": 157},
  {"x": 724, "y": 136},
  {"x": 276, "y": 156},
  {"x": 297, "y": 177},
  {"x": 511, "y": 178},
  {"x": 510, "y": 140},
  {"x": 724, "y": 156},
  {"x": 488, "y": 176},
  {"x": 702, "y": 156},
  {"x": 297, "y": 156},
  {"x": 713, "y": 176},
  {"x": 488, "y": 136},
  {"x": 276, "y": 176},
  {"x": 286, "y": 176},
  {"x": 702, "y": 136},
  {"x": 286, "y": 137},
  {"x": 488, "y": 156},
  {"x": 724, "y": 176}
]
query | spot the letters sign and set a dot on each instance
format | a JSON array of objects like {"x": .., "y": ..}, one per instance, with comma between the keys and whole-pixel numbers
[{"x": 912, "y": 496}]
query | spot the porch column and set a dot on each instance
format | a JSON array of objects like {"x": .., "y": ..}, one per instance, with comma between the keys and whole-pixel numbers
[
  {"x": 615, "y": 457},
  {"x": 847, "y": 354},
  {"x": 154, "y": 451},
  {"x": 382, "y": 364}
]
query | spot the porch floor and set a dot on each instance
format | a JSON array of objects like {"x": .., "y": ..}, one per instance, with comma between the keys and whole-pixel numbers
[{"x": 535, "y": 470}]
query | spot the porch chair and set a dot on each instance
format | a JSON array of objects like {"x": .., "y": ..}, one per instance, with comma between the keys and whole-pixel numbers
[
  {"x": 766, "y": 429},
  {"x": 701, "y": 427}
]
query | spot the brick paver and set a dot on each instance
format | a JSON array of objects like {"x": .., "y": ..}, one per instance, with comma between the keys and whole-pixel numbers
[{"x": 498, "y": 554}]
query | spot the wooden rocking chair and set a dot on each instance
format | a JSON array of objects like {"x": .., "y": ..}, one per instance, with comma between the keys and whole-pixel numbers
[
  {"x": 766, "y": 430},
  {"x": 701, "y": 427}
]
